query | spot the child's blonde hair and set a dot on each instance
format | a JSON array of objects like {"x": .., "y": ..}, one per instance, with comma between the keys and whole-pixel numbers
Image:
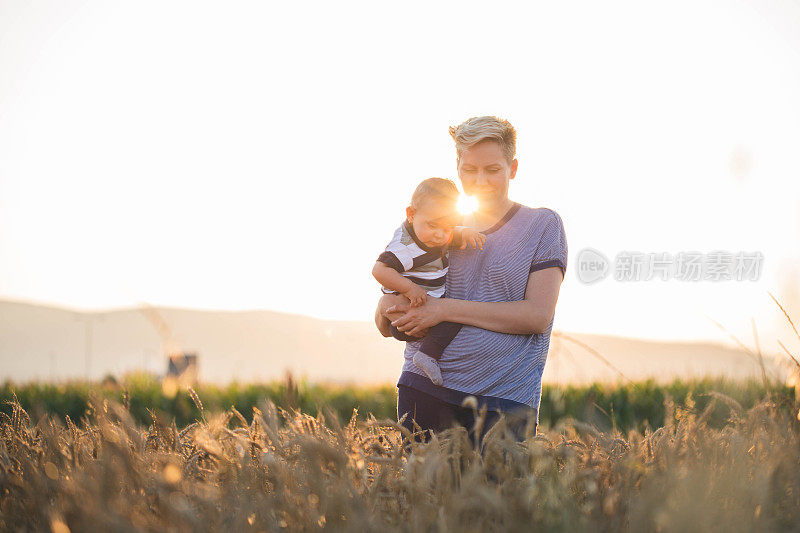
[
  {"x": 437, "y": 189},
  {"x": 486, "y": 128}
]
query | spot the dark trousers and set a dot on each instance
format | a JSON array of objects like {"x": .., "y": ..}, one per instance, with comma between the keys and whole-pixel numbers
[
  {"x": 437, "y": 339},
  {"x": 432, "y": 414}
]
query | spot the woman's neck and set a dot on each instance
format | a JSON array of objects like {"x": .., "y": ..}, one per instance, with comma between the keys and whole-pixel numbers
[{"x": 486, "y": 217}]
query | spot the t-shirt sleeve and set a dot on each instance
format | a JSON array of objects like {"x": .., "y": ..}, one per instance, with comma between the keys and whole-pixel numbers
[
  {"x": 397, "y": 255},
  {"x": 552, "y": 248}
]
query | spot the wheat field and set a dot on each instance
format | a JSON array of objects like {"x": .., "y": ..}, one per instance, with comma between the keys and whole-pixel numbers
[{"x": 278, "y": 470}]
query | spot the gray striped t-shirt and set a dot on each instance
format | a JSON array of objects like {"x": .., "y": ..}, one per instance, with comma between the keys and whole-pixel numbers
[{"x": 501, "y": 369}]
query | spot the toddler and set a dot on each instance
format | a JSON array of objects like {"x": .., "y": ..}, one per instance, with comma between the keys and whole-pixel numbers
[{"x": 415, "y": 262}]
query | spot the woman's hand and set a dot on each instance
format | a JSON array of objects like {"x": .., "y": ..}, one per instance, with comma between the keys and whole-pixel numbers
[
  {"x": 416, "y": 320},
  {"x": 383, "y": 317}
]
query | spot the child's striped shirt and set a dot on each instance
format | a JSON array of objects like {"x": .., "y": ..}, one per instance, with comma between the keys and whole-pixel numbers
[{"x": 425, "y": 266}]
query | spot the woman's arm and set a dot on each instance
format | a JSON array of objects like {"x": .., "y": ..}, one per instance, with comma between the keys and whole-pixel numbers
[{"x": 524, "y": 317}]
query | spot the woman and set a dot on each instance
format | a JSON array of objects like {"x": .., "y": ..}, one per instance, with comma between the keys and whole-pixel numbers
[{"x": 505, "y": 295}]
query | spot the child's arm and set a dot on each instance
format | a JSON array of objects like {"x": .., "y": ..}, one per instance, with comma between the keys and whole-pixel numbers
[
  {"x": 464, "y": 236},
  {"x": 392, "y": 279}
]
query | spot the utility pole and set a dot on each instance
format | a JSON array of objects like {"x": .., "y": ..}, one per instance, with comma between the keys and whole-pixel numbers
[
  {"x": 88, "y": 320},
  {"x": 88, "y": 348}
]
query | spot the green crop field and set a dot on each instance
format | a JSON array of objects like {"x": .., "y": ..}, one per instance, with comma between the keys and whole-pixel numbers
[{"x": 625, "y": 406}]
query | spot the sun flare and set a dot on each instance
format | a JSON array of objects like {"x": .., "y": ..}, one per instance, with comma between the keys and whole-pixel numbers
[{"x": 467, "y": 204}]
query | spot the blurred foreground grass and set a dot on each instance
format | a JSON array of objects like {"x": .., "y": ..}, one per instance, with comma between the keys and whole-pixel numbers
[{"x": 266, "y": 469}]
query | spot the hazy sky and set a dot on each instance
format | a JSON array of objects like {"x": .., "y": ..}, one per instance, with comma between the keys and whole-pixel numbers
[{"x": 254, "y": 155}]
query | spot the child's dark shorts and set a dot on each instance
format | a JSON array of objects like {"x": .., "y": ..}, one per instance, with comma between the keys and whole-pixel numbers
[{"x": 399, "y": 335}]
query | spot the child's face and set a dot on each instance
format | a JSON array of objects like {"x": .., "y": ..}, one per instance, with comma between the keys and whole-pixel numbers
[{"x": 433, "y": 222}]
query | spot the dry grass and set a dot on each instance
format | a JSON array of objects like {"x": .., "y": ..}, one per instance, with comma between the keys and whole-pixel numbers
[
  {"x": 299, "y": 472},
  {"x": 291, "y": 471}
]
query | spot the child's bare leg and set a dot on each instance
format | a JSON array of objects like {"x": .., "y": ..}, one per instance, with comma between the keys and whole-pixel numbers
[
  {"x": 382, "y": 320},
  {"x": 387, "y": 301},
  {"x": 383, "y": 323}
]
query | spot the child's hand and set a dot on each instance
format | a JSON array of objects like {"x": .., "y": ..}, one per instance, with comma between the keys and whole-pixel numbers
[
  {"x": 416, "y": 295},
  {"x": 470, "y": 237}
]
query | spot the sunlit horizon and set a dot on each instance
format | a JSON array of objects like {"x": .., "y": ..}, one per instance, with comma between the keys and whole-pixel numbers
[{"x": 244, "y": 167}]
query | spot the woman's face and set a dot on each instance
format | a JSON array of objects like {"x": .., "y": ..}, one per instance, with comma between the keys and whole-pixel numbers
[{"x": 485, "y": 172}]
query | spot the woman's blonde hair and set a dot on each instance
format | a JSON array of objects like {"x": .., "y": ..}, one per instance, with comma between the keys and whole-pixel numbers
[{"x": 487, "y": 128}]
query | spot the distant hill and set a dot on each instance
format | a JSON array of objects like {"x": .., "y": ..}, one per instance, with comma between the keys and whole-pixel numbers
[{"x": 41, "y": 342}]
